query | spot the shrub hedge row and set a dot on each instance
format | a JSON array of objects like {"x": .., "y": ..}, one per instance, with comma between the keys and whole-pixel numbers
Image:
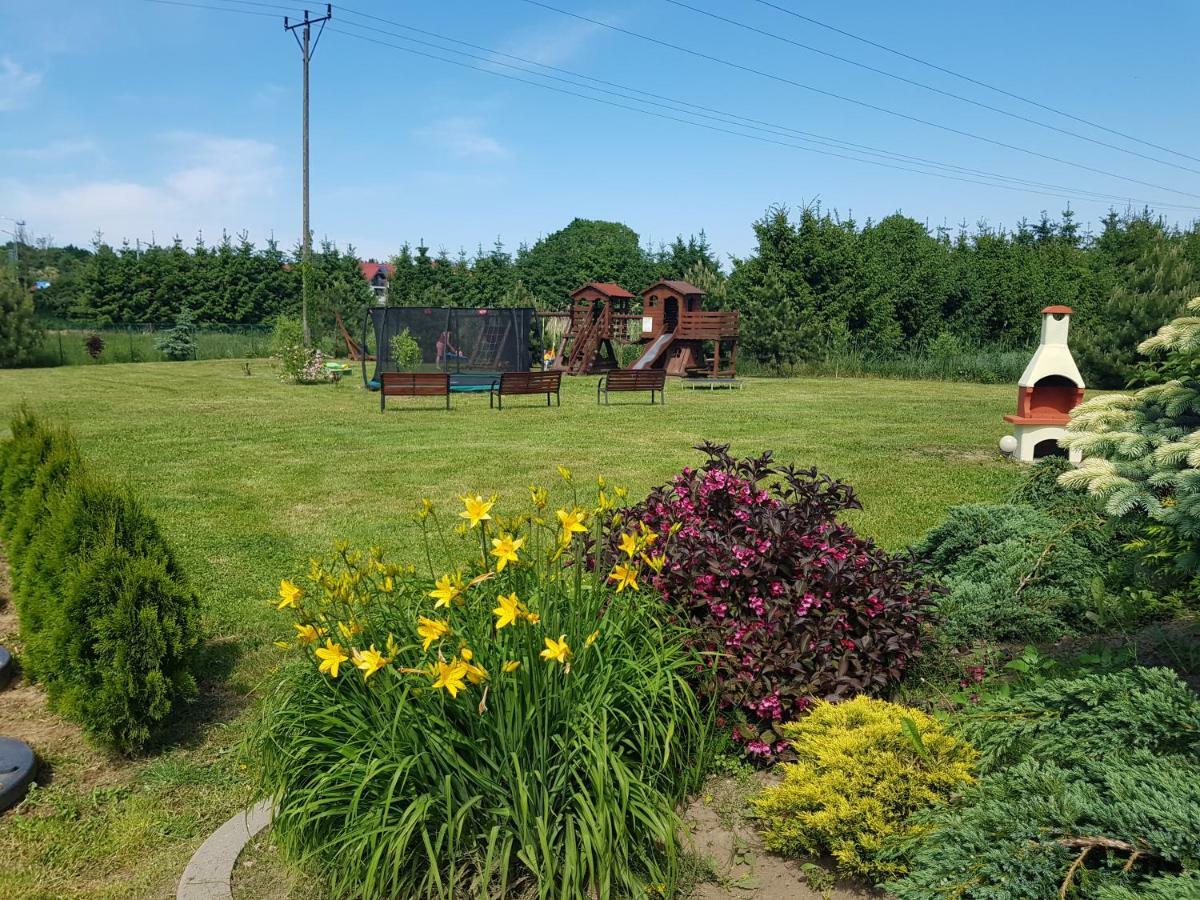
[{"x": 108, "y": 621}]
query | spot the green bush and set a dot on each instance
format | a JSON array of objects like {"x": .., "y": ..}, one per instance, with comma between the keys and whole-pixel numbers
[
  {"x": 1012, "y": 572},
  {"x": 1107, "y": 764},
  {"x": 406, "y": 352},
  {"x": 108, "y": 622},
  {"x": 863, "y": 766},
  {"x": 514, "y": 728}
]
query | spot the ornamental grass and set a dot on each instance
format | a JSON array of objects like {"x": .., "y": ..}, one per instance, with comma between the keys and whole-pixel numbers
[{"x": 503, "y": 719}]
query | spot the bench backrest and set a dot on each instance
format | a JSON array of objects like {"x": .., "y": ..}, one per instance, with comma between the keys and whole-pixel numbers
[
  {"x": 636, "y": 380},
  {"x": 414, "y": 384},
  {"x": 530, "y": 382}
]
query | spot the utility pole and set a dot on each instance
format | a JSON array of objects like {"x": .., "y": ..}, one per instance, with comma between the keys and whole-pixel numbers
[{"x": 306, "y": 52}]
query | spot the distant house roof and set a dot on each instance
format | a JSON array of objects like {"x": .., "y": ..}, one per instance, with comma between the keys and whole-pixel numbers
[
  {"x": 681, "y": 287},
  {"x": 372, "y": 269},
  {"x": 608, "y": 289}
]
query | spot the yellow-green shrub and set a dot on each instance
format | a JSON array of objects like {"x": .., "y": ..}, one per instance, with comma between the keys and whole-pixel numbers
[{"x": 863, "y": 767}]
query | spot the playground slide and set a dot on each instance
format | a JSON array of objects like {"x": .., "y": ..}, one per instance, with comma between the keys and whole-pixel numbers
[{"x": 646, "y": 360}]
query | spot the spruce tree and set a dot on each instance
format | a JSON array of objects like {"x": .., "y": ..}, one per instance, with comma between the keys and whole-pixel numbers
[{"x": 20, "y": 335}]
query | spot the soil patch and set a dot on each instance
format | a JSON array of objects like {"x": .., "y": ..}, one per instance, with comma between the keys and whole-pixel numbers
[{"x": 732, "y": 863}]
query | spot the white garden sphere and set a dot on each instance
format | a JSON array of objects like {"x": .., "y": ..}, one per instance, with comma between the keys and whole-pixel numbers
[{"x": 1008, "y": 445}]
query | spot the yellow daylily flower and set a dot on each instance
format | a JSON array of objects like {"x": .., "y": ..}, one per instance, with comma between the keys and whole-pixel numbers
[
  {"x": 332, "y": 656},
  {"x": 307, "y": 634},
  {"x": 629, "y": 545},
  {"x": 446, "y": 589},
  {"x": 600, "y": 482},
  {"x": 392, "y": 646},
  {"x": 564, "y": 473},
  {"x": 476, "y": 674},
  {"x": 509, "y": 610},
  {"x": 283, "y": 645},
  {"x": 349, "y": 631},
  {"x": 572, "y": 521},
  {"x": 539, "y": 496},
  {"x": 556, "y": 651},
  {"x": 389, "y": 584},
  {"x": 505, "y": 548},
  {"x": 655, "y": 562},
  {"x": 511, "y": 665},
  {"x": 591, "y": 639},
  {"x": 621, "y": 491},
  {"x": 532, "y": 618},
  {"x": 426, "y": 508},
  {"x": 449, "y": 675},
  {"x": 625, "y": 576},
  {"x": 476, "y": 509},
  {"x": 289, "y": 593},
  {"x": 647, "y": 536},
  {"x": 430, "y": 630},
  {"x": 370, "y": 661}
]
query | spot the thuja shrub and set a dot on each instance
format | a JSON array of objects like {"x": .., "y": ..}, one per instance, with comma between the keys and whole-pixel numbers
[
  {"x": 863, "y": 767},
  {"x": 787, "y": 603},
  {"x": 109, "y": 622}
]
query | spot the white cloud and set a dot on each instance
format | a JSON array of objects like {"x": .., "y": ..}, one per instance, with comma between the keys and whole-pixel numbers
[
  {"x": 463, "y": 138},
  {"x": 556, "y": 42},
  {"x": 210, "y": 183},
  {"x": 57, "y": 149},
  {"x": 17, "y": 84}
]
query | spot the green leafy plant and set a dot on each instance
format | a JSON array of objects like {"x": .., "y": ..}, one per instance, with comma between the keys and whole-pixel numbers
[
  {"x": 406, "y": 352},
  {"x": 504, "y": 725},
  {"x": 863, "y": 766}
]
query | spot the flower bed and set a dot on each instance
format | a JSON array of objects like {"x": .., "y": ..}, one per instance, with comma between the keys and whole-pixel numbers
[{"x": 492, "y": 723}]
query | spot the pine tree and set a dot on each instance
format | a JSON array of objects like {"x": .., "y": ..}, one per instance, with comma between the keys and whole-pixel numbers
[
  {"x": 1142, "y": 451},
  {"x": 20, "y": 335}
]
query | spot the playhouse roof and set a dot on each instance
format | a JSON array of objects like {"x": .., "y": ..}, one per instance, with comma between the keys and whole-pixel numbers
[
  {"x": 1057, "y": 311},
  {"x": 681, "y": 287},
  {"x": 608, "y": 289}
]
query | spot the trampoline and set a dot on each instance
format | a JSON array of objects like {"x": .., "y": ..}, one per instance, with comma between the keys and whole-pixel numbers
[{"x": 473, "y": 345}]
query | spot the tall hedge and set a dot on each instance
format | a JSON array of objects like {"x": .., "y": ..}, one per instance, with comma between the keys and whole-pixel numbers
[{"x": 108, "y": 621}]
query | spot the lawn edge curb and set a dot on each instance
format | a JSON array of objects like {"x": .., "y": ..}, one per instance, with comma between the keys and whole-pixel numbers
[{"x": 209, "y": 871}]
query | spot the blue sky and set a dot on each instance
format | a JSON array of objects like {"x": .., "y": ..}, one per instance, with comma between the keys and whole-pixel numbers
[{"x": 144, "y": 120}]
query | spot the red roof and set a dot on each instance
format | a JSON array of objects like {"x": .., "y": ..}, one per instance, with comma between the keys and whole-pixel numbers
[
  {"x": 371, "y": 269},
  {"x": 608, "y": 289},
  {"x": 680, "y": 287},
  {"x": 1056, "y": 311}
]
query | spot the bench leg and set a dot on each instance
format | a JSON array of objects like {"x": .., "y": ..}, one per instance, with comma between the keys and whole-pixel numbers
[
  {"x": 557, "y": 399},
  {"x": 547, "y": 398},
  {"x": 598, "y": 383}
]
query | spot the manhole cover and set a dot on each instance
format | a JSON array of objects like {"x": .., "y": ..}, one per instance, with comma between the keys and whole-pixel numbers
[{"x": 17, "y": 765}]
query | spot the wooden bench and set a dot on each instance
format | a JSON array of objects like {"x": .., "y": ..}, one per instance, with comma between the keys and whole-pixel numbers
[
  {"x": 517, "y": 383},
  {"x": 413, "y": 384},
  {"x": 633, "y": 380}
]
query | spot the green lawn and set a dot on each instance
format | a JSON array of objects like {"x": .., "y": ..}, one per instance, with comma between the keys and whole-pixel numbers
[{"x": 249, "y": 477}]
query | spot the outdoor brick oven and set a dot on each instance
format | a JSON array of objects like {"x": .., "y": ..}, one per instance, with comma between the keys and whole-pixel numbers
[{"x": 1049, "y": 389}]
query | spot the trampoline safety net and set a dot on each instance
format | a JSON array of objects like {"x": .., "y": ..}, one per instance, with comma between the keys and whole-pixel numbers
[{"x": 472, "y": 345}]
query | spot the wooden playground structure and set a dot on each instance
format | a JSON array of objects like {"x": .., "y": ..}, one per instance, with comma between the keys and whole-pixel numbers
[{"x": 680, "y": 337}]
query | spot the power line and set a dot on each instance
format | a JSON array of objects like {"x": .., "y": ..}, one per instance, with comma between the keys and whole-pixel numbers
[
  {"x": 928, "y": 87},
  {"x": 863, "y": 103},
  {"x": 755, "y": 137},
  {"x": 970, "y": 80},
  {"x": 244, "y": 12},
  {"x": 1034, "y": 187},
  {"x": 722, "y": 115}
]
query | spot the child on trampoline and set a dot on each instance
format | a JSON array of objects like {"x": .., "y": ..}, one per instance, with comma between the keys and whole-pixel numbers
[{"x": 446, "y": 350}]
